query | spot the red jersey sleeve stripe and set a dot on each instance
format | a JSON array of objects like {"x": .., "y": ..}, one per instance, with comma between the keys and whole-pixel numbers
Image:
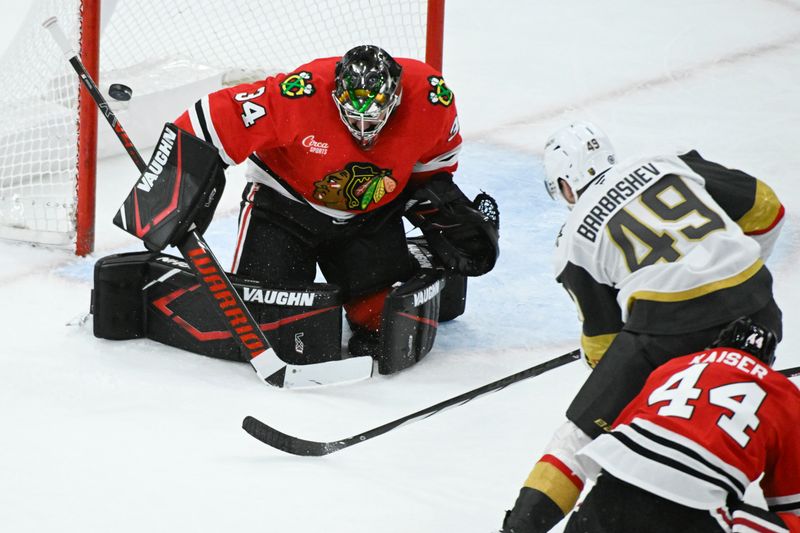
[
  {"x": 195, "y": 122},
  {"x": 556, "y": 462},
  {"x": 202, "y": 122},
  {"x": 184, "y": 122},
  {"x": 753, "y": 525}
]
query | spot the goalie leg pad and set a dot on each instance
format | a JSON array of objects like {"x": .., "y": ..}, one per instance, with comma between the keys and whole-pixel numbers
[
  {"x": 454, "y": 295},
  {"x": 117, "y": 304},
  {"x": 410, "y": 321},
  {"x": 155, "y": 296}
]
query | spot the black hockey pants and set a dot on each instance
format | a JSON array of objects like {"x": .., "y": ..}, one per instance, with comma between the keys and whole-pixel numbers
[
  {"x": 284, "y": 240},
  {"x": 614, "y": 506},
  {"x": 621, "y": 373}
]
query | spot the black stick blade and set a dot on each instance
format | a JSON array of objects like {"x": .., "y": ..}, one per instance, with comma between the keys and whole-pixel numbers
[{"x": 286, "y": 443}]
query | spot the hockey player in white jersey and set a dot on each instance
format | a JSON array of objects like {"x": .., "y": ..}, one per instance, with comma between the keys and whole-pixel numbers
[{"x": 658, "y": 253}]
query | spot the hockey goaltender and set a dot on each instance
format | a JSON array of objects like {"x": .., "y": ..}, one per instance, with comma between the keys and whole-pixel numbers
[{"x": 338, "y": 152}]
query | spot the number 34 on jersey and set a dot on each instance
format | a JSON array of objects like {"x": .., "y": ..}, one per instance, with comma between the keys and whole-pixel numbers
[{"x": 251, "y": 111}]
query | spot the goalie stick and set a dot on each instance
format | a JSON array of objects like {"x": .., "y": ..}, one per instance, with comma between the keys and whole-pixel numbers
[
  {"x": 297, "y": 446},
  {"x": 212, "y": 278},
  {"x": 294, "y": 445}
]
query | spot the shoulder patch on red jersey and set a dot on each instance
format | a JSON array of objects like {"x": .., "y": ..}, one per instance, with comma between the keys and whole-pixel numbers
[
  {"x": 297, "y": 85},
  {"x": 440, "y": 94}
]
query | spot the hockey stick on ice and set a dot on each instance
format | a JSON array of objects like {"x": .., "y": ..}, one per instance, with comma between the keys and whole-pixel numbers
[
  {"x": 297, "y": 446},
  {"x": 246, "y": 331},
  {"x": 791, "y": 372}
]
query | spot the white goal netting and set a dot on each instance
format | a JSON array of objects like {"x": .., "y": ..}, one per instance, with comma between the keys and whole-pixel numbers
[{"x": 170, "y": 53}]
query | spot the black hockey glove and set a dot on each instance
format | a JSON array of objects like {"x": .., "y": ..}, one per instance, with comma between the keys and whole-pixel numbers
[
  {"x": 178, "y": 191},
  {"x": 533, "y": 512},
  {"x": 463, "y": 234}
]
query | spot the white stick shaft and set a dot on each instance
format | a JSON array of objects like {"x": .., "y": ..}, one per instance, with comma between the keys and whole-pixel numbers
[{"x": 54, "y": 27}]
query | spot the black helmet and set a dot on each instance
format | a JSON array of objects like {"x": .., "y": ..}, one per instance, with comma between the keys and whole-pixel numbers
[
  {"x": 367, "y": 91},
  {"x": 747, "y": 336}
]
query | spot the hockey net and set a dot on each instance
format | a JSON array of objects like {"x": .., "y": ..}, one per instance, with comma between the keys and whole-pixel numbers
[{"x": 170, "y": 54}]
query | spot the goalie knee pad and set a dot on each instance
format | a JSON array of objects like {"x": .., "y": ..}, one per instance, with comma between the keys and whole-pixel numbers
[
  {"x": 410, "y": 320},
  {"x": 117, "y": 310},
  {"x": 155, "y": 296},
  {"x": 411, "y": 313},
  {"x": 454, "y": 294}
]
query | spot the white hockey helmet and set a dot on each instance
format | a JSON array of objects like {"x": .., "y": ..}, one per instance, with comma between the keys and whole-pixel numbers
[{"x": 577, "y": 154}]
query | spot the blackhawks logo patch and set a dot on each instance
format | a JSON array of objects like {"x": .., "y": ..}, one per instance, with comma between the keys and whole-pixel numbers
[
  {"x": 440, "y": 94},
  {"x": 355, "y": 187},
  {"x": 297, "y": 85}
]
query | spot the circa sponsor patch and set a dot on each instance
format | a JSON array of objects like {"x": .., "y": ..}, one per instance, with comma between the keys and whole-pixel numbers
[{"x": 314, "y": 146}]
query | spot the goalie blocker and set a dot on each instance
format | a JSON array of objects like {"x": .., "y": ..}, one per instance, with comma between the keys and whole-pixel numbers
[
  {"x": 155, "y": 296},
  {"x": 178, "y": 190}
]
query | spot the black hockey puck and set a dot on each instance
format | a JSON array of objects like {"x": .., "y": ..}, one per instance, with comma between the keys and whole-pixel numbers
[{"x": 117, "y": 91}]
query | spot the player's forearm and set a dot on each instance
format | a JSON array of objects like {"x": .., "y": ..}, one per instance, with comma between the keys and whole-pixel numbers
[
  {"x": 533, "y": 512},
  {"x": 598, "y": 310},
  {"x": 553, "y": 486}
]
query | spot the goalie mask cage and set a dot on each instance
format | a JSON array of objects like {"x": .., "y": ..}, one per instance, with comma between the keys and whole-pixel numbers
[{"x": 170, "y": 53}]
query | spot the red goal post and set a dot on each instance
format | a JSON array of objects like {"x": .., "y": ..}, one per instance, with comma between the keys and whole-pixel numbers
[{"x": 170, "y": 54}]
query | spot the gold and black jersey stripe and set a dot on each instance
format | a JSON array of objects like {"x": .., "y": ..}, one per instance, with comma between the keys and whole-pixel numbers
[
  {"x": 747, "y": 200},
  {"x": 597, "y": 308},
  {"x": 705, "y": 306}
]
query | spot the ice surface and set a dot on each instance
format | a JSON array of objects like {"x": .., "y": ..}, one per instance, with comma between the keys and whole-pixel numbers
[{"x": 135, "y": 436}]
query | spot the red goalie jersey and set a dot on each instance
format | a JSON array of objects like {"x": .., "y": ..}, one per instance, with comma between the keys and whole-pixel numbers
[
  {"x": 290, "y": 129},
  {"x": 704, "y": 427}
]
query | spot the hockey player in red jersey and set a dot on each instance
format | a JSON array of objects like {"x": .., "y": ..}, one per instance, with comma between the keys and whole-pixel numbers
[
  {"x": 336, "y": 151},
  {"x": 702, "y": 429},
  {"x": 659, "y": 254}
]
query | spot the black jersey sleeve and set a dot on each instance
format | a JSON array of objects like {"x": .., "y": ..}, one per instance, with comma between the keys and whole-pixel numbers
[
  {"x": 598, "y": 309},
  {"x": 749, "y": 201}
]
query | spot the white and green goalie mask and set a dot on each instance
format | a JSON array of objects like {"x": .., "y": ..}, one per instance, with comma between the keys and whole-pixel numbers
[{"x": 367, "y": 91}]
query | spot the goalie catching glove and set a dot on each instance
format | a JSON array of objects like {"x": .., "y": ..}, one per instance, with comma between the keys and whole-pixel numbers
[
  {"x": 177, "y": 193},
  {"x": 463, "y": 234}
]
